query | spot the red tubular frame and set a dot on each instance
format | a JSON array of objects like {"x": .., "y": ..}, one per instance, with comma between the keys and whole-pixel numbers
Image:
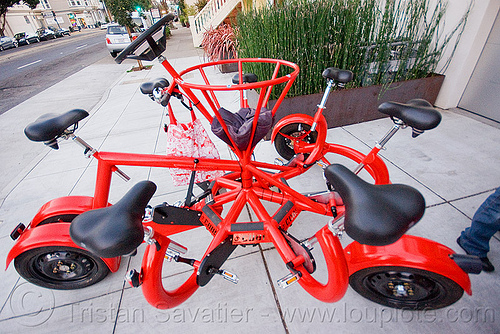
[
  {"x": 338, "y": 278},
  {"x": 373, "y": 164},
  {"x": 247, "y": 182},
  {"x": 208, "y": 90},
  {"x": 152, "y": 286}
]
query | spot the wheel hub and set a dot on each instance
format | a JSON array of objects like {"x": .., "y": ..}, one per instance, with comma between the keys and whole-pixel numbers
[
  {"x": 61, "y": 267},
  {"x": 401, "y": 290},
  {"x": 402, "y": 285},
  {"x": 64, "y": 265}
]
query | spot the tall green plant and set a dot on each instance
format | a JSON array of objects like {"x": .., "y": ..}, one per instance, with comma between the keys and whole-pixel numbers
[{"x": 380, "y": 41}]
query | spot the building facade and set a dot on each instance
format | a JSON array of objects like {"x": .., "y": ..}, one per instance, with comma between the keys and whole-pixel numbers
[{"x": 56, "y": 13}]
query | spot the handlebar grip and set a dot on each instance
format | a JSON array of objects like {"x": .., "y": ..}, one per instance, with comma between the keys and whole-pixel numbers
[{"x": 165, "y": 99}]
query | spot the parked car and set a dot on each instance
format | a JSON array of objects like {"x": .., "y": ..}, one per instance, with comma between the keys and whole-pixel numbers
[
  {"x": 117, "y": 38},
  {"x": 105, "y": 25},
  {"x": 45, "y": 34},
  {"x": 24, "y": 38},
  {"x": 60, "y": 32},
  {"x": 7, "y": 42}
]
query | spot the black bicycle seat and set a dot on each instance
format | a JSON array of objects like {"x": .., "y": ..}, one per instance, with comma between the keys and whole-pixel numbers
[
  {"x": 50, "y": 126},
  {"x": 342, "y": 76},
  {"x": 375, "y": 215},
  {"x": 148, "y": 87},
  {"x": 115, "y": 230},
  {"x": 246, "y": 78},
  {"x": 417, "y": 113}
]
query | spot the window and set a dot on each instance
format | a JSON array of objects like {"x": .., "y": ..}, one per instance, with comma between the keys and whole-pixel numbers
[
  {"x": 74, "y": 3},
  {"x": 45, "y": 4},
  {"x": 116, "y": 30}
]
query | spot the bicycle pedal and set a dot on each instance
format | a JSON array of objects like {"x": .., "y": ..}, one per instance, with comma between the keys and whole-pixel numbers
[
  {"x": 229, "y": 276},
  {"x": 133, "y": 278},
  {"x": 321, "y": 164},
  {"x": 279, "y": 162},
  {"x": 174, "y": 251},
  {"x": 288, "y": 280},
  {"x": 171, "y": 255}
]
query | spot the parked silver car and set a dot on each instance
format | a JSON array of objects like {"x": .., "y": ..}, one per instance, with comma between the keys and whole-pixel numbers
[
  {"x": 117, "y": 38},
  {"x": 45, "y": 34},
  {"x": 7, "y": 42},
  {"x": 60, "y": 32},
  {"x": 26, "y": 38}
]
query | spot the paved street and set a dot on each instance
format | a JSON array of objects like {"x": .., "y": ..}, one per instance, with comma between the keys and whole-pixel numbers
[{"x": 30, "y": 69}]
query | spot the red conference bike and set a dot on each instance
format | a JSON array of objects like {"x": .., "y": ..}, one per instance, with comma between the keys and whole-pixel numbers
[{"x": 75, "y": 241}]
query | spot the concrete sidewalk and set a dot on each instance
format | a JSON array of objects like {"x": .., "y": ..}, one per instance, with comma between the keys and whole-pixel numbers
[{"x": 455, "y": 166}]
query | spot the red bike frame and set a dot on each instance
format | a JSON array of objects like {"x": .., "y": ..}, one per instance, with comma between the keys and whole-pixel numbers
[
  {"x": 372, "y": 163},
  {"x": 247, "y": 182}
]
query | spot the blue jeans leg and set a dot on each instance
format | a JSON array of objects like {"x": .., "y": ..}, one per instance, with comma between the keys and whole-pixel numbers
[{"x": 485, "y": 223}]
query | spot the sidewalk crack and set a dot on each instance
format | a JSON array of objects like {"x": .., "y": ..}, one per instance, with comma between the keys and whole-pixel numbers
[{"x": 269, "y": 278}]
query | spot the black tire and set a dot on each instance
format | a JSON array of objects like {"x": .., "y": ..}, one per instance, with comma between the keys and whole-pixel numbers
[
  {"x": 62, "y": 268},
  {"x": 284, "y": 145},
  {"x": 113, "y": 54},
  {"x": 404, "y": 287}
]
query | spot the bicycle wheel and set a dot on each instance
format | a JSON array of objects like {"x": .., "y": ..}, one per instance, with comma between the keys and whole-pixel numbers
[
  {"x": 404, "y": 287},
  {"x": 63, "y": 268},
  {"x": 283, "y": 142}
]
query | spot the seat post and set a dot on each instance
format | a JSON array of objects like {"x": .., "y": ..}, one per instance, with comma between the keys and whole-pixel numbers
[{"x": 380, "y": 144}]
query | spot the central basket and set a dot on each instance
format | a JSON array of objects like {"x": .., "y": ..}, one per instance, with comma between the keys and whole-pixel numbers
[{"x": 241, "y": 130}]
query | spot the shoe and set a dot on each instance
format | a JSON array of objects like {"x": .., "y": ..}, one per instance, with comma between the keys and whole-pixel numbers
[{"x": 487, "y": 266}]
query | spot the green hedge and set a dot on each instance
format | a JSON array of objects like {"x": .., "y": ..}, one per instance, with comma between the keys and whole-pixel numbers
[{"x": 380, "y": 41}]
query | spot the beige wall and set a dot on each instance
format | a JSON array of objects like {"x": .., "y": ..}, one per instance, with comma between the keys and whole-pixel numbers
[
  {"x": 16, "y": 21},
  {"x": 479, "y": 24}
]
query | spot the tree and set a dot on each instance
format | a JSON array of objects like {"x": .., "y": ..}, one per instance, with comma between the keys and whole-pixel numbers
[
  {"x": 122, "y": 13},
  {"x": 122, "y": 10},
  {"x": 163, "y": 5},
  {"x": 4, "y": 8}
]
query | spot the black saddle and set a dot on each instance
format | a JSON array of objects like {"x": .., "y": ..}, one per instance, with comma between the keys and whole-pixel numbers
[
  {"x": 342, "y": 76},
  {"x": 246, "y": 78},
  {"x": 375, "y": 215},
  {"x": 115, "y": 230},
  {"x": 50, "y": 126},
  {"x": 148, "y": 87},
  {"x": 417, "y": 113},
  {"x": 239, "y": 126}
]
